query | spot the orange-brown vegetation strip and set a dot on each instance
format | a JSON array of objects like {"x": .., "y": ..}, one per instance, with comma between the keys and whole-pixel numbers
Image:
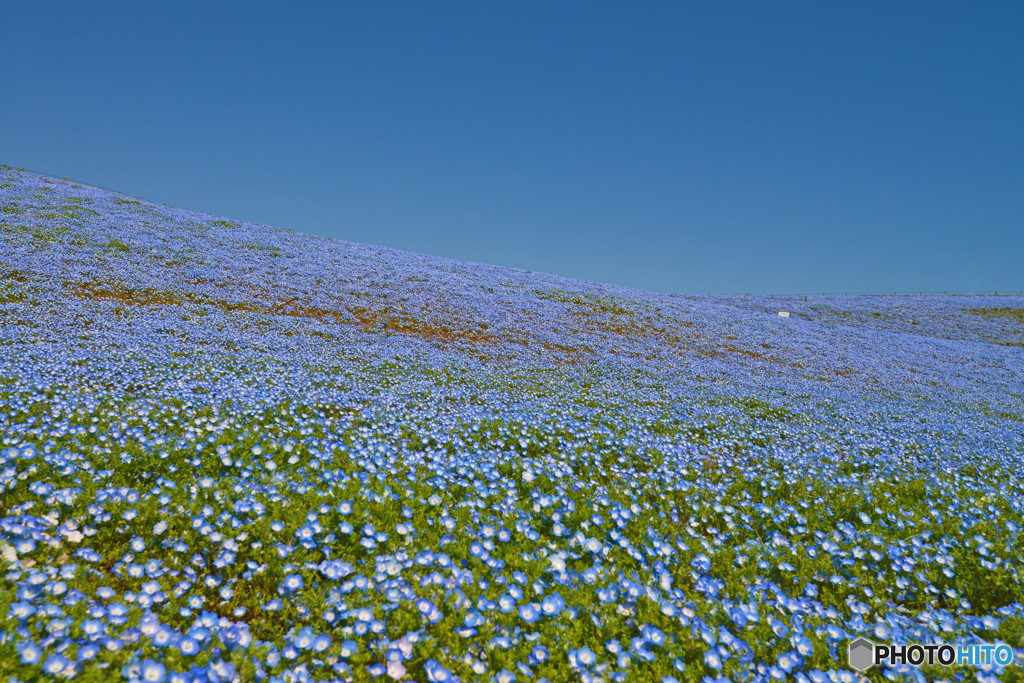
[
  {"x": 163, "y": 297},
  {"x": 379, "y": 319},
  {"x": 1005, "y": 312},
  {"x": 403, "y": 322},
  {"x": 449, "y": 330},
  {"x": 609, "y": 318}
]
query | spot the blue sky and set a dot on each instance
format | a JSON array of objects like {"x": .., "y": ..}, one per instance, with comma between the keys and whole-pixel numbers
[{"x": 723, "y": 147}]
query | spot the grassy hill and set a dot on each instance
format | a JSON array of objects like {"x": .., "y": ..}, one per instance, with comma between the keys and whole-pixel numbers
[{"x": 237, "y": 452}]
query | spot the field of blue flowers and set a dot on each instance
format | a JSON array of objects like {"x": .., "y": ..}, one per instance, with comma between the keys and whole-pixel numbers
[{"x": 233, "y": 452}]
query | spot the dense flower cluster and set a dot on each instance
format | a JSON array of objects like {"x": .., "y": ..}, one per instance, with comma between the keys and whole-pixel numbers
[{"x": 232, "y": 452}]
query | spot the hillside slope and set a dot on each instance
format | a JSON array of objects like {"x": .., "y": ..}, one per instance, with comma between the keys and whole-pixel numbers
[{"x": 281, "y": 439}]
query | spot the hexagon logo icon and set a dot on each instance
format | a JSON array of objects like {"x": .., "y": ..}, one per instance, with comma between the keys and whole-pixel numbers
[{"x": 862, "y": 654}]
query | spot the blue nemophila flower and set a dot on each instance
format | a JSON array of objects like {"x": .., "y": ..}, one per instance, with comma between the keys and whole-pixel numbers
[
  {"x": 582, "y": 658},
  {"x": 787, "y": 661},
  {"x": 653, "y": 635},
  {"x": 778, "y": 627},
  {"x": 93, "y": 627},
  {"x": 436, "y": 673},
  {"x": 321, "y": 642},
  {"x": 54, "y": 664},
  {"x": 530, "y": 612},
  {"x": 152, "y": 671},
  {"x": 22, "y": 610},
  {"x": 552, "y": 604},
  {"x": 163, "y": 636},
  {"x": 29, "y": 652},
  {"x": 304, "y": 638},
  {"x": 638, "y": 646},
  {"x": 803, "y": 645},
  {"x": 395, "y": 670},
  {"x": 292, "y": 583},
  {"x": 188, "y": 646}
]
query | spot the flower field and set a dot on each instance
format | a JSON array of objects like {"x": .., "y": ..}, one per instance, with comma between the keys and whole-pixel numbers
[{"x": 234, "y": 452}]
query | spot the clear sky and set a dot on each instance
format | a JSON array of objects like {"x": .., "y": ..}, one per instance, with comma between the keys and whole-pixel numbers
[{"x": 720, "y": 147}]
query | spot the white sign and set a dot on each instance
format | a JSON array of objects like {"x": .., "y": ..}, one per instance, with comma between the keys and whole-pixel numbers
[{"x": 783, "y": 314}]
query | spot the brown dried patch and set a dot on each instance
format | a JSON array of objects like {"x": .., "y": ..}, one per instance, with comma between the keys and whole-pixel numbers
[
  {"x": 380, "y": 320},
  {"x": 1004, "y": 312},
  {"x": 15, "y": 275},
  {"x": 97, "y": 291}
]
